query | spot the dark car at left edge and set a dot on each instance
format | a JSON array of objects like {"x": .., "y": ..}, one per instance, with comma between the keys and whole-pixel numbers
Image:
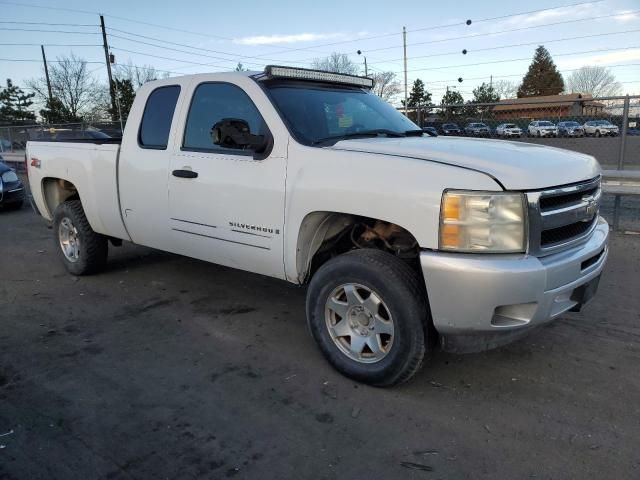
[{"x": 11, "y": 188}]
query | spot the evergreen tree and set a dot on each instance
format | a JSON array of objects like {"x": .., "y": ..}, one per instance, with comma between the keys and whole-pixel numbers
[
  {"x": 485, "y": 93},
  {"x": 14, "y": 104},
  {"x": 56, "y": 112},
  {"x": 542, "y": 78},
  {"x": 418, "y": 95},
  {"x": 125, "y": 94},
  {"x": 452, "y": 97}
]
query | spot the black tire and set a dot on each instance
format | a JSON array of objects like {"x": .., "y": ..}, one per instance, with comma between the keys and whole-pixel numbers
[
  {"x": 597, "y": 133},
  {"x": 403, "y": 293},
  {"x": 94, "y": 247}
]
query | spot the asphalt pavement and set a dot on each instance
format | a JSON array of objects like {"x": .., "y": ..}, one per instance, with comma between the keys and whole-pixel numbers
[{"x": 169, "y": 367}]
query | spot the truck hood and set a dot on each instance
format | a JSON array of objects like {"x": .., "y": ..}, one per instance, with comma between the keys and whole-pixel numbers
[{"x": 516, "y": 165}]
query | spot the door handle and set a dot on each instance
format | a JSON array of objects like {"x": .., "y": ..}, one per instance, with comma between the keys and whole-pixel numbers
[{"x": 185, "y": 174}]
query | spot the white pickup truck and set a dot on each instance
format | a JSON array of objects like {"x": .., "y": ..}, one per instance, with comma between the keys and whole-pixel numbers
[{"x": 406, "y": 241}]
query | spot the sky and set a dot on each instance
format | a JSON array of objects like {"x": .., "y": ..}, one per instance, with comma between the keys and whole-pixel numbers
[{"x": 195, "y": 36}]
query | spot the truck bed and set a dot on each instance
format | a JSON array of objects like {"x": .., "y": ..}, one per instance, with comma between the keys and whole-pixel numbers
[{"x": 91, "y": 166}]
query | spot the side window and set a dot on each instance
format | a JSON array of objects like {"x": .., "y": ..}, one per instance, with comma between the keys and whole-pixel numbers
[
  {"x": 211, "y": 103},
  {"x": 157, "y": 116}
]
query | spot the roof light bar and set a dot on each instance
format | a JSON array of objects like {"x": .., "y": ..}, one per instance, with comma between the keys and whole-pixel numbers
[{"x": 275, "y": 71}]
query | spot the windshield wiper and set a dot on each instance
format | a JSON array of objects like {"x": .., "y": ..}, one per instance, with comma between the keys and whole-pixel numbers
[{"x": 365, "y": 134}]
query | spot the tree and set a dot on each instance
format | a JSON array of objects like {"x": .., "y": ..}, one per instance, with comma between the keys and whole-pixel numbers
[
  {"x": 485, "y": 93},
  {"x": 594, "y": 80},
  {"x": 385, "y": 85},
  {"x": 137, "y": 75},
  {"x": 71, "y": 84},
  {"x": 56, "y": 112},
  {"x": 14, "y": 104},
  {"x": 240, "y": 68},
  {"x": 542, "y": 78},
  {"x": 505, "y": 88},
  {"x": 336, "y": 62},
  {"x": 125, "y": 94},
  {"x": 452, "y": 97},
  {"x": 418, "y": 95}
]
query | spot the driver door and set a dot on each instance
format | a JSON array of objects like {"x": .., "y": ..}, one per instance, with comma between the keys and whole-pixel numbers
[{"x": 226, "y": 205}]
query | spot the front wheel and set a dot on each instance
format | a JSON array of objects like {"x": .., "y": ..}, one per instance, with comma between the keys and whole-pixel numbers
[
  {"x": 367, "y": 311},
  {"x": 82, "y": 250}
]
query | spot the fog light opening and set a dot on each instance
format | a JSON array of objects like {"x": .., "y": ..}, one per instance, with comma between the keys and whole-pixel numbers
[{"x": 516, "y": 315}]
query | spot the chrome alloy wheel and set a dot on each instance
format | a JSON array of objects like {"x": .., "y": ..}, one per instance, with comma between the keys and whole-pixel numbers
[
  {"x": 69, "y": 239},
  {"x": 359, "y": 323}
]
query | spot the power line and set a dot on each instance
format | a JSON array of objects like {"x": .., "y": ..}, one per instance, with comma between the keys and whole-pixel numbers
[
  {"x": 476, "y": 35},
  {"x": 539, "y": 42},
  {"x": 520, "y": 59},
  {"x": 12, "y": 22},
  {"x": 164, "y": 58},
  {"x": 50, "y": 44},
  {"x": 46, "y": 31},
  {"x": 233, "y": 59},
  {"x": 435, "y": 27},
  {"x": 38, "y": 61},
  {"x": 484, "y": 77}
]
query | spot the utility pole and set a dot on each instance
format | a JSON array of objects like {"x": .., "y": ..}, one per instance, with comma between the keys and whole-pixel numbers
[
  {"x": 46, "y": 74},
  {"x": 404, "y": 44},
  {"x": 366, "y": 72},
  {"x": 112, "y": 92}
]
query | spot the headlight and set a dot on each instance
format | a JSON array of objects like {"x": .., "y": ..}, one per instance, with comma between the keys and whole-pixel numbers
[{"x": 482, "y": 222}]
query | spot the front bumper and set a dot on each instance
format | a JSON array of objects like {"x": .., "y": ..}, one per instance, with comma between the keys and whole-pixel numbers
[{"x": 499, "y": 296}]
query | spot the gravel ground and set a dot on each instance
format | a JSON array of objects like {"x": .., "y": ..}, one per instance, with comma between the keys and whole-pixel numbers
[{"x": 168, "y": 367}]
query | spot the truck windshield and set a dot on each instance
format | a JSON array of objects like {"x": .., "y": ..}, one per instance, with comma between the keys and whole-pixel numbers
[{"x": 318, "y": 114}]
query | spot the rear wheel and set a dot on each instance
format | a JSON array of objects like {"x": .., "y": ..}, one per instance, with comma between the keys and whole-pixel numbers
[
  {"x": 367, "y": 311},
  {"x": 82, "y": 250}
]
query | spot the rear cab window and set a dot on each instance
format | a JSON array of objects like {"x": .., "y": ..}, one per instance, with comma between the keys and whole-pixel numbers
[{"x": 157, "y": 117}]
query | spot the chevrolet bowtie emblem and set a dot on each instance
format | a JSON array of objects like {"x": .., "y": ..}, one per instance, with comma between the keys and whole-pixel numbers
[{"x": 591, "y": 208}]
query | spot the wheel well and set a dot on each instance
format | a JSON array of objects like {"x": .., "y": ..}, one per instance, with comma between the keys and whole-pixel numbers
[
  {"x": 57, "y": 191},
  {"x": 324, "y": 235}
]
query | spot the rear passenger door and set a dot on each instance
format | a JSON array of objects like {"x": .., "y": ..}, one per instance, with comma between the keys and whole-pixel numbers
[
  {"x": 144, "y": 162},
  {"x": 230, "y": 209}
]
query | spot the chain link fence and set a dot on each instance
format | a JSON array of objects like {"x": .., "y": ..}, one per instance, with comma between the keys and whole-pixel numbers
[
  {"x": 13, "y": 139},
  {"x": 607, "y": 128}
]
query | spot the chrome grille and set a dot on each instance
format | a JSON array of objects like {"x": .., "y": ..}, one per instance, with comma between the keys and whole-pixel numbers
[{"x": 562, "y": 217}]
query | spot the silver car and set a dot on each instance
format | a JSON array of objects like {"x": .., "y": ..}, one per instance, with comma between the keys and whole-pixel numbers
[
  {"x": 542, "y": 128},
  {"x": 570, "y": 129},
  {"x": 508, "y": 130},
  {"x": 600, "y": 128}
]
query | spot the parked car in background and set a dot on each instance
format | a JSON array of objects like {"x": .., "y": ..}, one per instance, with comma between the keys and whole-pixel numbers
[
  {"x": 11, "y": 188},
  {"x": 477, "y": 129},
  {"x": 507, "y": 130},
  {"x": 542, "y": 128},
  {"x": 570, "y": 129},
  {"x": 600, "y": 128},
  {"x": 450, "y": 129},
  {"x": 633, "y": 131},
  {"x": 430, "y": 131}
]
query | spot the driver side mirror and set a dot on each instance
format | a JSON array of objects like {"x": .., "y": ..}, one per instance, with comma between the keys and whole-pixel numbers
[{"x": 235, "y": 133}]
